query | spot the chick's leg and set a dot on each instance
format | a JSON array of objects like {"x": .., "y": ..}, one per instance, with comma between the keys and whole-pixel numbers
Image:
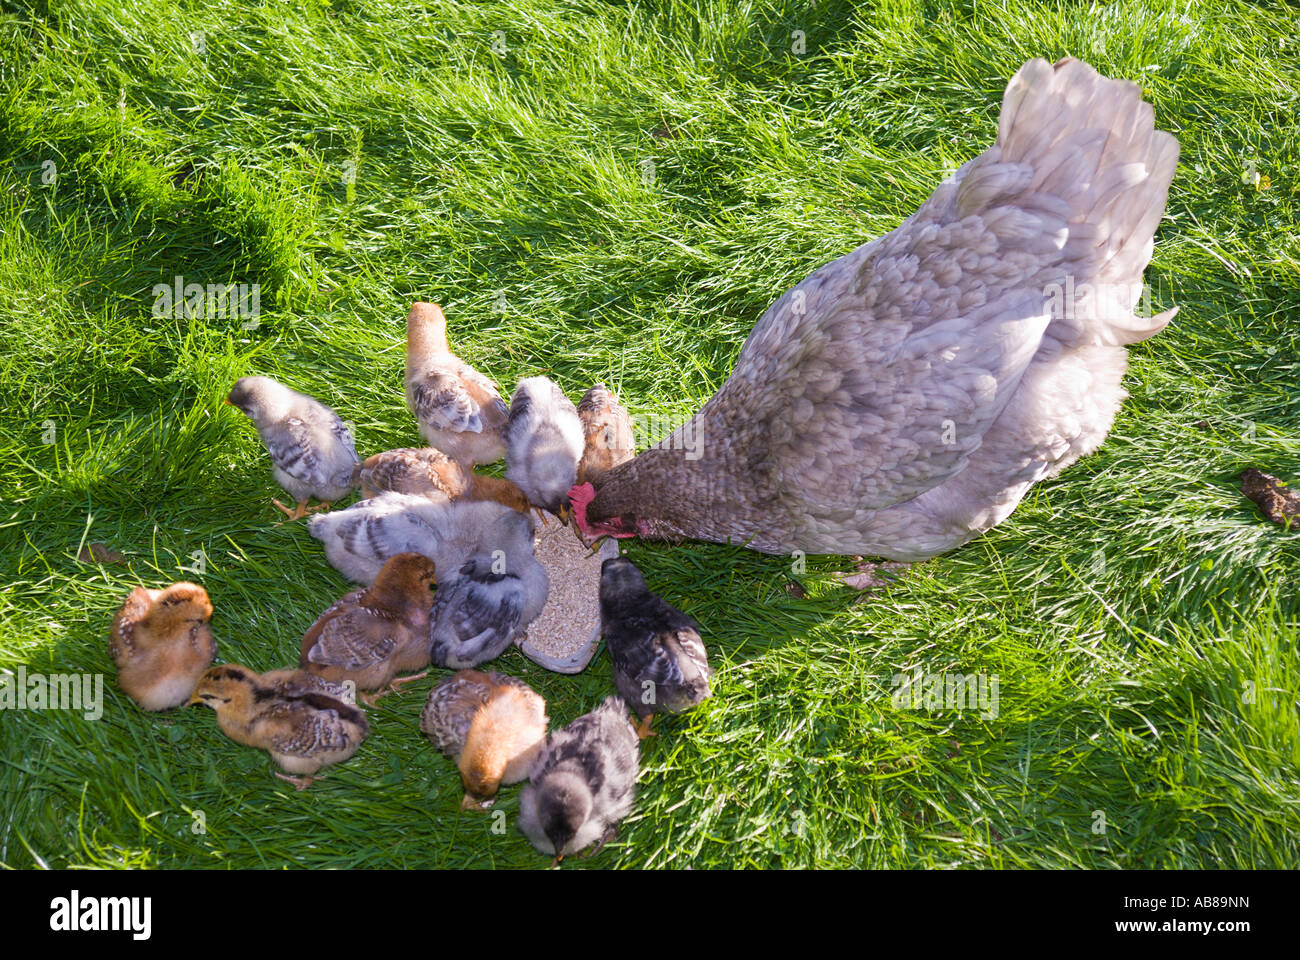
[
  {"x": 644, "y": 730},
  {"x": 370, "y": 699},
  {"x": 296, "y": 514},
  {"x": 299, "y": 783},
  {"x": 611, "y": 833}
]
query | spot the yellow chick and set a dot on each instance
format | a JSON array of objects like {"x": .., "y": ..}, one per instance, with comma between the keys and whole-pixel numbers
[
  {"x": 303, "y": 732},
  {"x": 371, "y": 635},
  {"x": 492, "y": 725},
  {"x": 161, "y": 643}
]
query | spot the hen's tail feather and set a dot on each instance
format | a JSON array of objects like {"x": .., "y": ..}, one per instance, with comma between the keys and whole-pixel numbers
[{"x": 1090, "y": 142}]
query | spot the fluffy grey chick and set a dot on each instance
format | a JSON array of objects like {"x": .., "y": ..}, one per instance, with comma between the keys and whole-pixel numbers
[
  {"x": 312, "y": 451},
  {"x": 660, "y": 663},
  {"x": 361, "y": 538},
  {"x": 490, "y": 600},
  {"x": 544, "y": 442},
  {"x": 582, "y": 783}
]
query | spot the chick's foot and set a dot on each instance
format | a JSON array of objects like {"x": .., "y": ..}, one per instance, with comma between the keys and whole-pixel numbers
[{"x": 299, "y": 783}]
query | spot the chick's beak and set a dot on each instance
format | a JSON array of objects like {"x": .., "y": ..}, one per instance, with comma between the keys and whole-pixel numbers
[{"x": 193, "y": 700}]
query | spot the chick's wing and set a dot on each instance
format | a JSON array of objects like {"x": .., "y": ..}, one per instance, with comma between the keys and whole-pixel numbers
[{"x": 442, "y": 401}]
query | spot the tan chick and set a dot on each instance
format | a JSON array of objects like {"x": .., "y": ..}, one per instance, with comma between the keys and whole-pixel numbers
[
  {"x": 491, "y": 724},
  {"x": 369, "y": 636},
  {"x": 459, "y": 410},
  {"x": 161, "y": 643},
  {"x": 427, "y": 472},
  {"x": 607, "y": 431},
  {"x": 303, "y": 731}
]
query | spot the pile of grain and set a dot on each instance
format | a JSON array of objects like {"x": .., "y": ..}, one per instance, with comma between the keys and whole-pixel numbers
[{"x": 564, "y": 634}]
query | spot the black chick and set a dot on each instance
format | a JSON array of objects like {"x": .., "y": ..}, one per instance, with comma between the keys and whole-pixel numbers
[{"x": 660, "y": 664}]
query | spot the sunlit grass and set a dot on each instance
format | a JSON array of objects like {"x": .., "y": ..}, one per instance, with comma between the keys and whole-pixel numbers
[{"x": 616, "y": 193}]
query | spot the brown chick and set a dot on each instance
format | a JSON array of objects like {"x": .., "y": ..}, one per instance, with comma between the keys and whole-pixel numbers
[
  {"x": 427, "y": 472},
  {"x": 607, "y": 433},
  {"x": 369, "y": 636},
  {"x": 303, "y": 731},
  {"x": 491, "y": 724},
  {"x": 161, "y": 643},
  {"x": 459, "y": 410}
]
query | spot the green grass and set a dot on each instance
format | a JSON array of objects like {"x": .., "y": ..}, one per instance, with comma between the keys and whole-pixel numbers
[{"x": 618, "y": 197}]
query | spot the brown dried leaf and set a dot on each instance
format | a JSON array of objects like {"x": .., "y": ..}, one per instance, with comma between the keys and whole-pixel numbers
[
  {"x": 1275, "y": 499},
  {"x": 97, "y": 552},
  {"x": 872, "y": 576}
]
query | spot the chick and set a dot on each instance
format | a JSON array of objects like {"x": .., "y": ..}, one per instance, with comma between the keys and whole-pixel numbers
[
  {"x": 544, "y": 443},
  {"x": 427, "y": 472},
  {"x": 161, "y": 643},
  {"x": 486, "y": 605},
  {"x": 459, "y": 410},
  {"x": 660, "y": 664},
  {"x": 582, "y": 783},
  {"x": 359, "y": 539},
  {"x": 312, "y": 451},
  {"x": 371, "y": 635},
  {"x": 492, "y": 725},
  {"x": 607, "y": 432},
  {"x": 303, "y": 731}
]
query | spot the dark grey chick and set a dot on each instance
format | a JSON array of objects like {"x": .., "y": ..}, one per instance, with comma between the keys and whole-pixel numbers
[
  {"x": 660, "y": 664},
  {"x": 486, "y": 605},
  {"x": 312, "y": 451},
  {"x": 582, "y": 783}
]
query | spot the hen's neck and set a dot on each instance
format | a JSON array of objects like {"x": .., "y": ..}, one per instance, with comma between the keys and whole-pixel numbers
[{"x": 694, "y": 485}]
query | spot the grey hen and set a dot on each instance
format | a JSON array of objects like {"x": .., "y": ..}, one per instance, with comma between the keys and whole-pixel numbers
[
  {"x": 903, "y": 398},
  {"x": 312, "y": 451},
  {"x": 583, "y": 782},
  {"x": 660, "y": 663}
]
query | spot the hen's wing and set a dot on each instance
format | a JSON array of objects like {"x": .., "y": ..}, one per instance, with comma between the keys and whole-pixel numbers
[{"x": 876, "y": 378}]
